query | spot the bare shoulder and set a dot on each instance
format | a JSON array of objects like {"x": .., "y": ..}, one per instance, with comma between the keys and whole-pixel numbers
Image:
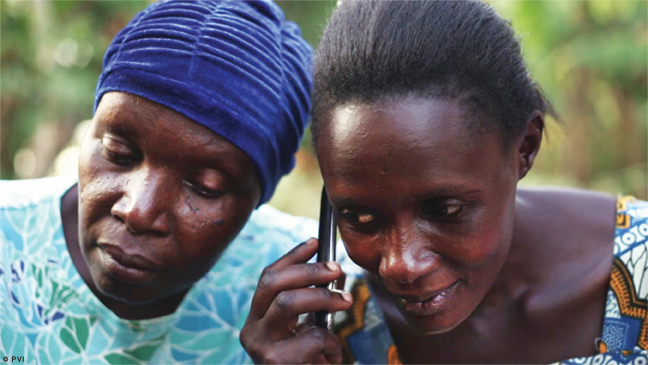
[
  {"x": 569, "y": 237},
  {"x": 573, "y": 224},
  {"x": 582, "y": 210}
]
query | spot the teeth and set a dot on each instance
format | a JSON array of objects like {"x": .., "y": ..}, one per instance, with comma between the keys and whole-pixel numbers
[{"x": 441, "y": 295}]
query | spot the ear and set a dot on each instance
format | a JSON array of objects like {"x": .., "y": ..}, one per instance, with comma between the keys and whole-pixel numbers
[{"x": 529, "y": 143}]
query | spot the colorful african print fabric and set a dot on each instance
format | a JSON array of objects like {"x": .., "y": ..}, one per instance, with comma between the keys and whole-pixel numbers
[
  {"x": 366, "y": 338},
  {"x": 48, "y": 315}
]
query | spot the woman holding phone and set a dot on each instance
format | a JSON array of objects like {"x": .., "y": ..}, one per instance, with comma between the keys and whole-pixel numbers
[{"x": 425, "y": 118}]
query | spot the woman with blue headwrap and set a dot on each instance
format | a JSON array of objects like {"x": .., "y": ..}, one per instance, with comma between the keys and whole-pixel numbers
[{"x": 198, "y": 113}]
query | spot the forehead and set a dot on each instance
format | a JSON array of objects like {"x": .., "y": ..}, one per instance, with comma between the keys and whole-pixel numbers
[
  {"x": 416, "y": 122},
  {"x": 405, "y": 141}
]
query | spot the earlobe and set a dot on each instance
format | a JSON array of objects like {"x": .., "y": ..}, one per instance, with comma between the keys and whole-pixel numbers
[{"x": 529, "y": 143}]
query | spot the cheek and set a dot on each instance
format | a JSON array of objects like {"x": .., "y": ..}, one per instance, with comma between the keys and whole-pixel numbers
[
  {"x": 487, "y": 240},
  {"x": 98, "y": 189},
  {"x": 95, "y": 175},
  {"x": 365, "y": 253},
  {"x": 481, "y": 248},
  {"x": 205, "y": 229},
  {"x": 90, "y": 161}
]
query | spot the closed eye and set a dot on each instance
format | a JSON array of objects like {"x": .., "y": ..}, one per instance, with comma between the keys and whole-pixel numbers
[
  {"x": 203, "y": 191},
  {"x": 117, "y": 152}
]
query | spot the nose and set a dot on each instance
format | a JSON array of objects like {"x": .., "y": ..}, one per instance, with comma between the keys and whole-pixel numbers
[
  {"x": 407, "y": 257},
  {"x": 146, "y": 204}
]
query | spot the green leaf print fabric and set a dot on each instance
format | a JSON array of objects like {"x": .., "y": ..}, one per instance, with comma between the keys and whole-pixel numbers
[{"x": 49, "y": 316}]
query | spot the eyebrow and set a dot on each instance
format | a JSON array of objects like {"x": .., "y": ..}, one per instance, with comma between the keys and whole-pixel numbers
[
  {"x": 442, "y": 192},
  {"x": 445, "y": 191}
]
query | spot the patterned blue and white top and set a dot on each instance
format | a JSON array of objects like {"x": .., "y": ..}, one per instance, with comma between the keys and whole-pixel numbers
[
  {"x": 49, "y": 316},
  {"x": 366, "y": 338}
]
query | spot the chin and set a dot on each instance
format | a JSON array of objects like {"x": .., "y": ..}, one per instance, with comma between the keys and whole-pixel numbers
[
  {"x": 433, "y": 325},
  {"x": 125, "y": 293}
]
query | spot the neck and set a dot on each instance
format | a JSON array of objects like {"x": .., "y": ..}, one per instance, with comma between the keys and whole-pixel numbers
[
  {"x": 141, "y": 311},
  {"x": 518, "y": 274}
]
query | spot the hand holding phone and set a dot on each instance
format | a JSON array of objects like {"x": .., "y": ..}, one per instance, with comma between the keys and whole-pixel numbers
[
  {"x": 293, "y": 286},
  {"x": 326, "y": 252}
]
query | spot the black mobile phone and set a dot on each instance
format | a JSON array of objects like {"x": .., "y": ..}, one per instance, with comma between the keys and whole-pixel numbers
[{"x": 326, "y": 252}]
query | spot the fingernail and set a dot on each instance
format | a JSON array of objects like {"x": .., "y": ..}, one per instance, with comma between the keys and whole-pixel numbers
[
  {"x": 332, "y": 266},
  {"x": 311, "y": 241},
  {"x": 347, "y": 296}
]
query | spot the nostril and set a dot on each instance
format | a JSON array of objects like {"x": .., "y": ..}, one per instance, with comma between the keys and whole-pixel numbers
[
  {"x": 123, "y": 215},
  {"x": 396, "y": 269},
  {"x": 125, "y": 222},
  {"x": 132, "y": 230},
  {"x": 143, "y": 208},
  {"x": 119, "y": 218}
]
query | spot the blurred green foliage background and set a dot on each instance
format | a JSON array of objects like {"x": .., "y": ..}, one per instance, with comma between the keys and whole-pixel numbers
[{"x": 591, "y": 58}]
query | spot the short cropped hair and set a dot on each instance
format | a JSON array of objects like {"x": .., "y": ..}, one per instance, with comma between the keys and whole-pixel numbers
[{"x": 460, "y": 50}]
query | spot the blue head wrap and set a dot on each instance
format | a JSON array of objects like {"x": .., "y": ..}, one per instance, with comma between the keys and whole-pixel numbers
[{"x": 236, "y": 67}]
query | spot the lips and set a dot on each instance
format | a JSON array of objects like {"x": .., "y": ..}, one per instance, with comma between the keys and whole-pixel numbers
[
  {"x": 134, "y": 261},
  {"x": 126, "y": 268},
  {"x": 430, "y": 303}
]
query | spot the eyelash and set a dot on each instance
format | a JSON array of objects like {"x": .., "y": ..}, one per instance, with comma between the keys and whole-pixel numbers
[
  {"x": 125, "y": 160},
  {"x": 203, "y": 191},
  {"x": 440, "y": 211},
  {"x": 354, "y": 222},
  {"x": 117, "y": 158}
]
